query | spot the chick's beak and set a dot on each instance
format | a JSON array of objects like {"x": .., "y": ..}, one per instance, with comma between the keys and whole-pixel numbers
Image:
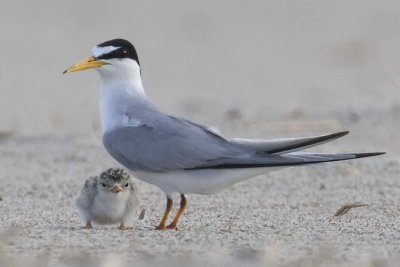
[
  {"x": 89, "y": 63},
  {"x": 116, "y": 189}
]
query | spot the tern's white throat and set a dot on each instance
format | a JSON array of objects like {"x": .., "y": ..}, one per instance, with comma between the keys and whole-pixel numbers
[
  {"x": 123, "y": 73},
  {"x": 121, "y": 86}
]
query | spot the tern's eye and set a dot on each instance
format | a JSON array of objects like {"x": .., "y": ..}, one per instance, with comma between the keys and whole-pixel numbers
[
  {"x": 103, "y": 184},
  {"x": 126, "y": 185},
  {"x": 124, "y": 51}
]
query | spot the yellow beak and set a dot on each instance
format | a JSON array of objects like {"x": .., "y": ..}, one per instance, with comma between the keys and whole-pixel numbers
[{"x": 89, "y": 63}]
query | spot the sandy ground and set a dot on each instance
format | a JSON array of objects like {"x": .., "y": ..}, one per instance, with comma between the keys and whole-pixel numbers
[
  {"x": 280, "y": 219},
  {"x": 261, "y": 69}
]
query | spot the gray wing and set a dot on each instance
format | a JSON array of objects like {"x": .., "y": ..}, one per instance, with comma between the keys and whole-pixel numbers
[
  {"x": 288, "y": 160},
  {"x": 164, "y": 143},
  {"x": 89, "y": 191}
]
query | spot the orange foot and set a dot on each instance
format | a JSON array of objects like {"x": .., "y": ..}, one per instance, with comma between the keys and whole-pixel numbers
[
  {"x": 123, "y": 227},
  {"x": 161, "y": 227},
  {"x": 172, "y": 227},
  {"x": 88, "y": 226}
]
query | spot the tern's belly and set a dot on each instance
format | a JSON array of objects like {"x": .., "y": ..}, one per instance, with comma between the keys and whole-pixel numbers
[{"x": 204, "y": 182}]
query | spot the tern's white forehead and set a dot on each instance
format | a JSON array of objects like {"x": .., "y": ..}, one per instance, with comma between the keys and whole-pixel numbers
[{"x": 99, "y": 51}]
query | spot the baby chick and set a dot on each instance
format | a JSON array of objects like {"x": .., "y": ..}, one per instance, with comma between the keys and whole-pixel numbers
[{"x": 107, "y": 199}]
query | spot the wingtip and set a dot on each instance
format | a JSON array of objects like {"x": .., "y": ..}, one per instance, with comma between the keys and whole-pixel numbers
[
  {"x": 336, "y": 135},
  {"x": 340, "y": 134},
  {"x": 371, "y": 154}
]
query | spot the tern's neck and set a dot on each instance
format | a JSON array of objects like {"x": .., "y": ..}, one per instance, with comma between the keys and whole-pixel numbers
[
  {"x": 130, "y": 88},
  {"x": 122, "y": 95},
  {"x": 122, "y": 76}
]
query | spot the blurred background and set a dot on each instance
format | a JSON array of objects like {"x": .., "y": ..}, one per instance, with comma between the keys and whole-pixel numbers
[{"x": 205, "y": 60}]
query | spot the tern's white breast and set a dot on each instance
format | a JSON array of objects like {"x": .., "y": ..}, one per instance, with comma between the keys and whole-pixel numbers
[{"x": 112, "y": 110}]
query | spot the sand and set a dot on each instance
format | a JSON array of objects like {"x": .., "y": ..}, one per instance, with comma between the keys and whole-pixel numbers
[{"x": 282, "y": 218}]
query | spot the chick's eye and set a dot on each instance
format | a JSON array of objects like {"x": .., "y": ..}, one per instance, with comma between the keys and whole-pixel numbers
[
  {"x": 126, "y": 185},
  {"x": 103, "y": 184}
]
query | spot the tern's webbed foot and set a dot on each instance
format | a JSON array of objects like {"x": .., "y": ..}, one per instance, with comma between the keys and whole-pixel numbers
[
  {"x": 161, "y": 227},
  {"x": 172, "y": 227},
  {"x": 164, "y": 228}
]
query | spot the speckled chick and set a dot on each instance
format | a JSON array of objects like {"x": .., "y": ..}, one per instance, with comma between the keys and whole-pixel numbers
[{"x": 108, "y": 199}]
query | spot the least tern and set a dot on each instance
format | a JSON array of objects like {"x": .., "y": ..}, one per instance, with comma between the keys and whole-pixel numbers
[
  {"x": 175, "y": 154},
  {"x": 107, "y": 199}
]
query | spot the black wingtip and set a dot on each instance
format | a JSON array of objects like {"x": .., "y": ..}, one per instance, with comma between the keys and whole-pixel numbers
[
  {"x": 65, "y": 71},
  {"x": 314, "y": 140},
  {"x": 372, "y": 154},
  {"x": 339, "y": 134}
]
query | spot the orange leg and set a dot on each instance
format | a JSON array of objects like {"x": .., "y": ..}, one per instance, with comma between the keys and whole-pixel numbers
[
  {"x": 168, "y": 209},
  {"x": 183, "y": 205}
]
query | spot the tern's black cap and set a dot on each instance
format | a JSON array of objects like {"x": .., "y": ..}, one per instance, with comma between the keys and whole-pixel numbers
[{"x": 125, "y": 50}]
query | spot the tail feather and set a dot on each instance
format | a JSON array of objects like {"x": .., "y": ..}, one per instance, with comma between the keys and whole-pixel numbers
[{"x": 288, "y": 160}]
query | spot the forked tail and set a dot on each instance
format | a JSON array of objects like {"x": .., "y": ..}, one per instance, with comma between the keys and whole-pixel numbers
[{"x": 287, "y": 160}]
